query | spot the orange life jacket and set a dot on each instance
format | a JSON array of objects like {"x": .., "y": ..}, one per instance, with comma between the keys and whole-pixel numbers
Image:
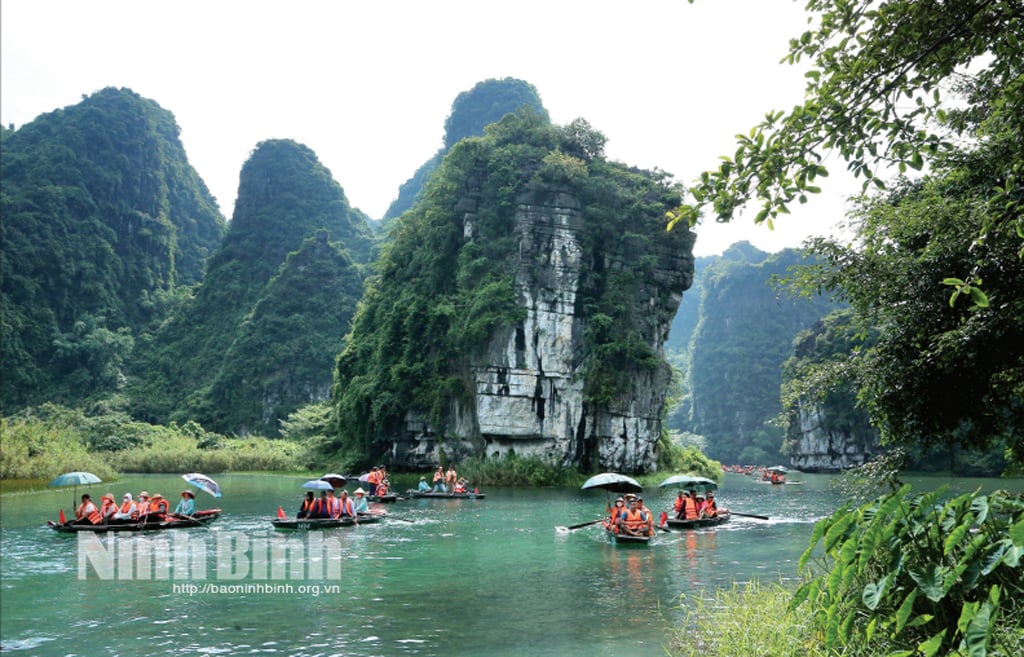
[
  {"x": 88, "y": 510},
  {"x": 635, "y": 520},
  {"x": 143, "y": 507},
  {"x": 678, "y": 505},
  {"x": 690, "y": 508},
  {"x": 128, "y": 506},
  {"x": 108, "y": 509}
]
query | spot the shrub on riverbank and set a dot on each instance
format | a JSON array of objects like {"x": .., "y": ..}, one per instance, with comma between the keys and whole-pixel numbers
[
  {"x": 43, "y": 442},
  {"x": 513, "y": 470}
]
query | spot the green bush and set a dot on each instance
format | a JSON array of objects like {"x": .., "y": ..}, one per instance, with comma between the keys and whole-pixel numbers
[
  {"x": 912, "y": 575},
  {"x": 752, "y": 621},
  {"x": 513, "y": 470},
  {"x": 43, "y": 449}
]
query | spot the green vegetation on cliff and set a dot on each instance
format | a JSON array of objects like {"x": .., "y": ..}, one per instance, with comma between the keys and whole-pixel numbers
[{"x": 103, "y": 221}]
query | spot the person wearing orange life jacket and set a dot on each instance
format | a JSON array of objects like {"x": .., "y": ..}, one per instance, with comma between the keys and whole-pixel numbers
[
  {"x": 306, "y": 509},
  {"x": 679, "y": 505},
  {"x": 648, "y": 516},
  {"x": 710, "y": 509},
  {"x": 129, "y": 509},
  {"x": 333, "y": 508},
  {"x": 373, "y": 479},
  {"x": 143, "y": 503},
  {"x": 87, "y": 513},
  {"x": 614, "y": 511},
  {"x": 633, "y": 522},
  {"x": 321, "y": 508},
  {"x": 158, "y": 508},
  {"x": 347, "y": 509},
  {"x": 108, "y": 508},
  {"x": 439, "y": 480}
]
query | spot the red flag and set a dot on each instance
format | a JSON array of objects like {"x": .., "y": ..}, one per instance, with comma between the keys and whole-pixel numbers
[
  {"x": 62, "y": 520},
  {"x": 280, "y": 513}
]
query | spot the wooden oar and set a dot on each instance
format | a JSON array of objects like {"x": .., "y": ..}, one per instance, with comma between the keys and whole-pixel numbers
[
  {"x": 748, "y": 515},
  {"x": 585, "y": 524}
]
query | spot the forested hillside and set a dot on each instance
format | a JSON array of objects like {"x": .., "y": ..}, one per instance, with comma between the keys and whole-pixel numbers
[
  {"x": 472, "y": 111},
  {"x": 258, "y": 339},
  {"x": 744, "y": 333},
  {"x": 104, "y": 220}
]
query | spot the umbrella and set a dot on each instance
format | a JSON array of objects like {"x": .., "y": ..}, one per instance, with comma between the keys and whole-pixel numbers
[
  {"x": 74, "y": 479},
  {"x": 203, "y": 483},
  {"x": 317, "y": 484},
  {"x": 613, "y": 482},
  {"x": 778, "y": 468},
  {"x": 335, "y": 480},
  {"x": 365, "y": 477},
  {"x": 690, "y": 481}
]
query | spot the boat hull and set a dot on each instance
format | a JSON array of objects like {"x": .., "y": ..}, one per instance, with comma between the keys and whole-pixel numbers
[
  {"x": 314, "y": 524},
  {"x": 199, "y": 519},
  {"x": 627, "y": 539},
  {"x": 699, "y": 523},
  {"x": 446, "y": 496}
]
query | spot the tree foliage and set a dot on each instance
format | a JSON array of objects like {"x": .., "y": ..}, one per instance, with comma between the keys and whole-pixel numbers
[
  {"x": 880, "y": 93},
  {"x": 104, "y": 221}
]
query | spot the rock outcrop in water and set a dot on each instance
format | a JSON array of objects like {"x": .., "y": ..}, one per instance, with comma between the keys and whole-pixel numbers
[{"x": 573, "y": 371}]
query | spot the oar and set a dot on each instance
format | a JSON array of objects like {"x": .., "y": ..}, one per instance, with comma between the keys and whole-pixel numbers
[
  {"x": 585, "y": 524},
  {"x": 749, "y": 515}
]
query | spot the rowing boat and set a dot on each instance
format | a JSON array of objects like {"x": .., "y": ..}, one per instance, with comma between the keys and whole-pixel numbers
[
  {"x": 307, "y": 524},
  {"x": 199, "y": 519},
  {"x": 383, "y": 499},
  {"x": 697, "y": 523},
  {"x": 627, "y": 539},
  {"x": 446, "y": 496}
]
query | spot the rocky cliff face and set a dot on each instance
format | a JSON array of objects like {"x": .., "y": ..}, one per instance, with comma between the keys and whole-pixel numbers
[
  {"x": 528, "y": 389},
  {"x": 820, "y": 448}
]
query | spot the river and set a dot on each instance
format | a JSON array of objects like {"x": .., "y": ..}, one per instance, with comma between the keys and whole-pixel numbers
[{"x": 498, "y": 576}]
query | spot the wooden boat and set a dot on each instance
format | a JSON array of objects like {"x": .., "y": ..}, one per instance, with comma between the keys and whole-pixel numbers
[
  {"x": 697, "y": 523},
  {"x": 198, "y": 519},
  {"x": 383, "y": 499},
  {"x": 627, "y": 539},
  {"x": 445, "y": 496},
  {"x": 307, "y": 524}
]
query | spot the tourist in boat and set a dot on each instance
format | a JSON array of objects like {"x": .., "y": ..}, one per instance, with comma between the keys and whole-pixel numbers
[
  {"x": 108, "y": 507},
  {"x": 306, "y": 508},
  {"x": 333, "y": 505},
  {"x": 143, "y": 503},
  {"x": 460, "y": 486},
  {"x": 648, "y": 516},
  {"x": 383, "y": 487},
  {"x": 614, "y": 515},
  {"x": 158, "y": 507},
  {"x": 710, "y": 509},
  {"x": 450, "y": 478},
  {"x": 187, "y": 505},
  {"x": 87, "y": 513},
  {"x": 345, "y": 506},
  {"x": 679, "y": 505},
  {"x": 372, "y": 479},
  {"x": 633, "y": 522},
  {"x": 129, "y": 509},
  {"x": 360, "y": 505},
  {"x": 423, "y": 486},
  {"x": 689, "y": 507},
  {"x": 439, "y": 480},
  {"x": 321, "y": 508}
]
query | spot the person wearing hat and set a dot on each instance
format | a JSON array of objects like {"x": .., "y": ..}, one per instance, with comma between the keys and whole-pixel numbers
[
  {"x": 648, "y": 516},
  {"x": 360, "y": 505},
  {"x": 108, "y": 507},
  {"x": 129, "y": 509},
  {"x": 423, "y": 486},
  {"x": 187, "y": 505},
  {"x": 143, "y": 503},
  {"x": 614, "y": 514},
  {"x": 158, "y": 507}
]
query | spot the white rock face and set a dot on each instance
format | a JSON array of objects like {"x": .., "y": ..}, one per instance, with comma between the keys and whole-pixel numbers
[
  {"x": 828, "y": 450},
  {"x": 528, "y": 383}
]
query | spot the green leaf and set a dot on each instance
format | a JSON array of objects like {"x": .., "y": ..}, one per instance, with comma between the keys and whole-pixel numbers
[
  {"x": 903, "y": 613},
  {"x": 1016, "y": 532},
  {"x": 931, "y": 647},
  {"x": 930, "y": 580},
  {"x": 874, "y": 592},
  {"x": 838, "y": 530}
]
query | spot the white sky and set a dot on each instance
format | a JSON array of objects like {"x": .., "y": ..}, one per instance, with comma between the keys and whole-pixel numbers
[{"x": 368, "y": 84}]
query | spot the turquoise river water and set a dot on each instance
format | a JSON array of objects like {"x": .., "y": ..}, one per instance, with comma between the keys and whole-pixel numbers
[{"x": 499, "y": 576}]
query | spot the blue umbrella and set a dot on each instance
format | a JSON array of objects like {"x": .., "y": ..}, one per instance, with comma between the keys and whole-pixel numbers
[
  {"x": 690, "y": 481},
  {"x": 613, "y": 482},
  {"x": 74, "y": 479},
  {"x": 203, "y": 483},
  {"x": 317, "y": 484}
]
